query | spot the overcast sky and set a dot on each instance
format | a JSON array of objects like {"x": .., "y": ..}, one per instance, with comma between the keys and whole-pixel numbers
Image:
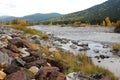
[{"x": 26, "y": 7}]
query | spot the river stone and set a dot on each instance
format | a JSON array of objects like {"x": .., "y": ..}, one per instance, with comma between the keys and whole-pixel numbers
[
  {"x": 74, "y": 42},
  {"x": 82, "y": 44},
  {"x": 77, "y": 76},
  {"x": 57, "y": 43},
  {"x": 20, "y": 61},
  {"x": 96, "y": 50},
  {"x": 24, "y": 53},
  {"x": 73, "y": 46},
  {"x": 4, "y": 58},
  {"x": 82, "y": 49}
]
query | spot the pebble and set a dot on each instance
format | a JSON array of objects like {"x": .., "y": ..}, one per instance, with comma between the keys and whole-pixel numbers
[
  {"x": 2, "y": 75},
  {"x": 34, "y": 69}
]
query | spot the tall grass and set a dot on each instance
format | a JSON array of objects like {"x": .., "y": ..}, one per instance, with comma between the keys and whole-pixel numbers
[
  {"x": 116, "y": 46},
  {"x": 79, "y": 63}
]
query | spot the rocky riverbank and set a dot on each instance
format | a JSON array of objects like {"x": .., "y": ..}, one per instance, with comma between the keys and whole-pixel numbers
[{"x": 30, "y": 57}]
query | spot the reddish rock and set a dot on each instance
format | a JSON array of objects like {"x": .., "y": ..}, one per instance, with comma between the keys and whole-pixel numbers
[
  {"x": 37, "y": 63},
  {"x": 29, "y": 59},
  {"x": 62, "y": 66},
  {"x": 19, "y": 75},
  {"x": 11, "y": 69},
  {"x": 50, "y": 73},
  {"x": 12, "y": 47},
  {"x": 14, "y": 55}
]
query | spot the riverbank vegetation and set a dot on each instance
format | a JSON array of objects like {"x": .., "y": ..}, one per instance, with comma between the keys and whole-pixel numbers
[{"x": 79, "y": 63}]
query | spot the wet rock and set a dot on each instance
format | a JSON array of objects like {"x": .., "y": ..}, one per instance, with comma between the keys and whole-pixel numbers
[
  {"x": 96, "y": 50},
  {"x": 74, "y": 42},
  {"x": 4, "y": 58},
  {"x": 62, "y": 66},
  {"x": 73, "y": 46},
  {"x": 20, "y": 61},
  {"x": 34, "y": 69},
  {"x": 82, "y": 44},
  {"x": 77, "y": 76},
  {"x": 99, "y": 61},
  {"x": 82, "y": 49},
  {"x": 64, "y": 41},
  {"x": 2, "y": 75},
  {"x": 57, "y": 43},
  {"x": 19, "y": 75},
  {"x": 105, "y": 46},
  {"x": 86, "y": 47},
  {"x": 37, "y": 63},
  {"x": 24, "y": 53},
  {"x": 97, "y": 76},
  {"x": 11, "y": 69},
  {"x": 102, "y": 56}
]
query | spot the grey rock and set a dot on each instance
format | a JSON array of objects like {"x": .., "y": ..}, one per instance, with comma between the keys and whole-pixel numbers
[
  {"x": 77, "y": 76},
  {"x": 82, "y": 44},
  {"x": 83, "y": 49},
  {"x": 20, "y": 61},
  {"x": 74, "y": 42},
  {"x": 4, "y": 58},
  {"x": 73, "y": 46},
  {"x": 37, "y": 41},
  {"x": 96, "y": 50},
  {"x": 57, "y": 43}
]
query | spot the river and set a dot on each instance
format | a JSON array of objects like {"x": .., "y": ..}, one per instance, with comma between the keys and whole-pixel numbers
[{"x": 96, "y": 37}]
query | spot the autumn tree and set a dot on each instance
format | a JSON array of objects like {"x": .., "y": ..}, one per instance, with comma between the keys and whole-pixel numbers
[
  {"x": 103, "y": 23},
  {"x": 108, "y": 22}
]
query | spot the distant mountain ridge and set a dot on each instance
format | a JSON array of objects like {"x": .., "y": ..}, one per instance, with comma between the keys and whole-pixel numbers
[
  {"x": 33, "y": 17},
  {"x": 95, "y": 14}
]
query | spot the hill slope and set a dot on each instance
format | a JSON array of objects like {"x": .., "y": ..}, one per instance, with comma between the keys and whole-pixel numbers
[
  {"x": 39, "y": 16},
  {"x": 6, "y": 18},
  {"x": 95, "y": 14},
  {"x": 34, "y": 17}
]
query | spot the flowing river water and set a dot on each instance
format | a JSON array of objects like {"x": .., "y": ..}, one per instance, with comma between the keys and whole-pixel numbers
[{"x": 96, "y": 37}]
